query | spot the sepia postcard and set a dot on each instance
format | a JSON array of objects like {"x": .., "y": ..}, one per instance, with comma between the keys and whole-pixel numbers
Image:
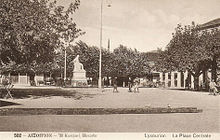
[{"x": 110, "y": 69}]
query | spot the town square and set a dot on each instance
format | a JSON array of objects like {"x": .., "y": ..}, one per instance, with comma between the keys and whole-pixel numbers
[
  {"x": 91, "y": 98},
  {"x": 110, "y": 66}
]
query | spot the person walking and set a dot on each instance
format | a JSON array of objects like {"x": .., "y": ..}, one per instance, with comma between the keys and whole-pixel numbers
[
  {"x": 129, "y": 84},
  {"x": 115, "y": 85}
]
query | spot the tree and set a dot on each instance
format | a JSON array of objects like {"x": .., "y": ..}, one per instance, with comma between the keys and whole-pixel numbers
[
  {"x": 213, "y": 48},
  {"x": 31, "y": 31},
  {"x": 189, "y": 50},
  {"x": 129, "y": 62}
]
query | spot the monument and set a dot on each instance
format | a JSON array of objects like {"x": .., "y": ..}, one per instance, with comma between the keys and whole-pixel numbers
[{"x": 79, "y": 74}]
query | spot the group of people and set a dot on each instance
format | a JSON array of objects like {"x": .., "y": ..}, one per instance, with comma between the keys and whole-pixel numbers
[{"x": 131, "y": 85}]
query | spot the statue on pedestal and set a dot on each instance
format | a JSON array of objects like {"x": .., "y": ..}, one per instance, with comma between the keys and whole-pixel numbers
[{"x": 79, "y": 74}]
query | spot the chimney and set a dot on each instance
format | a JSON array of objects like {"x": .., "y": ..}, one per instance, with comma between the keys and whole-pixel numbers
[{"x": 108, "y": 45}]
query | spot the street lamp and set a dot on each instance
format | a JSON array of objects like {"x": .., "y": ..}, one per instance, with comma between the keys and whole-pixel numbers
[{"x": 100, "y": 52}]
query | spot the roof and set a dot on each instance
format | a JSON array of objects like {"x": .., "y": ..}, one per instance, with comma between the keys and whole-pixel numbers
[{"x": 211, "y": 24}]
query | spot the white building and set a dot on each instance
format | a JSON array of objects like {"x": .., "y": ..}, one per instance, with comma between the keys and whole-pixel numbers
[{"x": 177, "y": 79}]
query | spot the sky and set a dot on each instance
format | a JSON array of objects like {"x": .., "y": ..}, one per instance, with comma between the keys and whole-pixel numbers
[{"x": 142, "y": 24}]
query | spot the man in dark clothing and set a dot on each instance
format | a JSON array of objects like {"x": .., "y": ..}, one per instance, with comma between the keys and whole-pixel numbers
[
  {"x": 129, "y": 84},
  {"x": 115, "y": 85}
]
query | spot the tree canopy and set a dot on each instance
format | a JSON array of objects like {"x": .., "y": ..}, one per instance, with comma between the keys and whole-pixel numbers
[
  {"x": 190, "y": 49},
  {"x": 130, "y": 62},
  {"x": 122, "y": 62},
  {"x": 32, "y": 30}
]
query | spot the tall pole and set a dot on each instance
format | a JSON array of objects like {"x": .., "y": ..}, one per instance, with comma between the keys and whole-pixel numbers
[
  {"x": 65, "y": 64},
  {"x": 100, "y": 52}
]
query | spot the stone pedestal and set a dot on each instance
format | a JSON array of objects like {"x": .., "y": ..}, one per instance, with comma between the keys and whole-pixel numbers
[{"x": 79, "y": 74}]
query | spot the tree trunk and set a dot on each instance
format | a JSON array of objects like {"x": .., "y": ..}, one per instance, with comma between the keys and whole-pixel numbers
[
  {"x": 205, "y": 85},
  {"x": 31, "y": 80},
  {"x": 196, "y": 82},
  {"x": 108, "y": 81},
  {"x": 214, "y": 69}
]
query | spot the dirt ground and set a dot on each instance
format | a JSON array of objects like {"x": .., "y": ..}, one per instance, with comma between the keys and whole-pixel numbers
[{"x": 207, "y": 121}]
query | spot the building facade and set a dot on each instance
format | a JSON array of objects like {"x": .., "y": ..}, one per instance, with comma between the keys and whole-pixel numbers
[
  {"x": 21, "y": 78},
  {"x": 177, "y": 79}
]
